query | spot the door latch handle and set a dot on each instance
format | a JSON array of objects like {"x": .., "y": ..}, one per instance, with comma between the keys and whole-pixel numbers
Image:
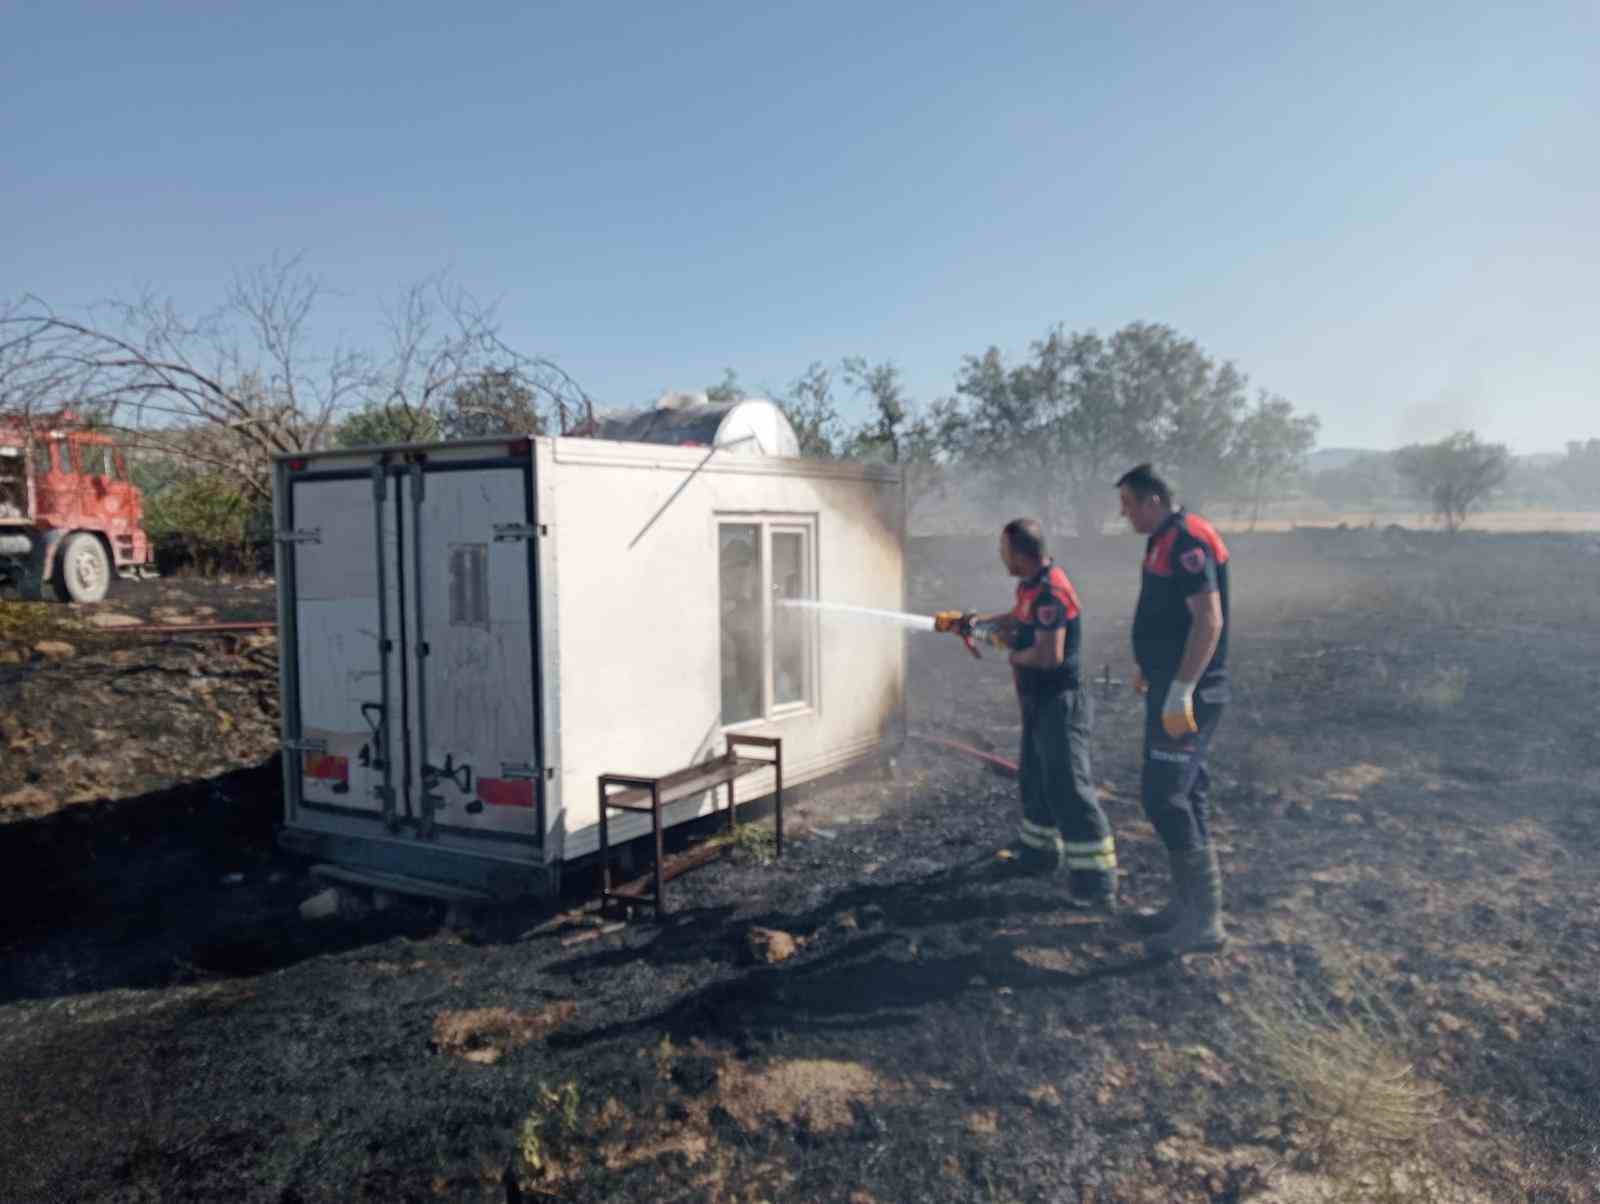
[
  {"x": 372, "y": 752},
  {"x": 461, "y": 775}
]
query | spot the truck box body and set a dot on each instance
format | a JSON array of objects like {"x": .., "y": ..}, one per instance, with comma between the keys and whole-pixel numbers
[{"x": 471, "y": 633}]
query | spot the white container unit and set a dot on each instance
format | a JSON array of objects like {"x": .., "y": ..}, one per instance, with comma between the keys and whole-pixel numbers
[{"x": 471, "y": 633}]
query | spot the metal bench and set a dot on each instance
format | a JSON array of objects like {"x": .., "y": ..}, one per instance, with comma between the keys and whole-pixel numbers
[{"x": 646, "y": 795}]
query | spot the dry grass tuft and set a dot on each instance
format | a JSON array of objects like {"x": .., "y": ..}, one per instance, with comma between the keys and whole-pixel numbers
[
  {"x": 818, "y": 1090},
  {"x": 753, "y": 842},
  {"x": 1347, "y": 1074},
  {"x": 26, "y": 623},
  {"x": 1354, "y": 1089},
  {"x": 985, "y": 1122},
  {"x": 485, "y": 1035},
  {"x": 1350, "y": 783}
]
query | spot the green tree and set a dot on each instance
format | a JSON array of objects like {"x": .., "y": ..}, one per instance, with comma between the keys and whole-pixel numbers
[
  {"x": 812, "y": 411},
  {"x": 1270, "y": 448},
  {"x": 496, "y": 401},
  {"x": 881, "y": 435},
  {"x": 1082, "y": 408},
  {"x": 727, "y": 389},
  {"x": 921, "y": 440},
  {"x": 1454, "y": 476},
  {"x": 206, "y": 516},
  {"x": 1106, "y": 399},
  {"x": 1198, "y": 405},
  {"x": 1012, "y": 430},
  {"x": 376, "y": 425}
]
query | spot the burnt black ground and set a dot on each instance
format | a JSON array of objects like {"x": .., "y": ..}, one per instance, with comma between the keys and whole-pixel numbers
[{"x": 1409, "y": 796}]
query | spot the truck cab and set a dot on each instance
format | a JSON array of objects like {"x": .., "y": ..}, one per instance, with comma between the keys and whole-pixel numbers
[{"x": 70, "y": 516}]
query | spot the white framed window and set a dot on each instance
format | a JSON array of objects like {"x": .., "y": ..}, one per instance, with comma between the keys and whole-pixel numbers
[{"x": 769, "y": 650}]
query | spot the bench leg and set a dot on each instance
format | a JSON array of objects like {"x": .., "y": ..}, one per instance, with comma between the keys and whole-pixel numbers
[
  {"x": 777, "y": 794},
  {"x": 605, "y": 847},
  {"x": 655, "y": 823}
]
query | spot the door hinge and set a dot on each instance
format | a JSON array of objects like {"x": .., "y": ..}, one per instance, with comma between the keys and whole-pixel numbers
[
  {"x": 314, "y": 535},
  {"x": 506, "y": 532}
]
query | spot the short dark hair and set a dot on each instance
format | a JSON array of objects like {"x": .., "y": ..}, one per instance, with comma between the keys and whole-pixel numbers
[
  {"x": 1142, "y": 482},
  {"x": 1026, "y": 537}
]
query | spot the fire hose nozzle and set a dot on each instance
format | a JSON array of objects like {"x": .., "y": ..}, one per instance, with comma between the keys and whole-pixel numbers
[{"x": 964, "y": 624}]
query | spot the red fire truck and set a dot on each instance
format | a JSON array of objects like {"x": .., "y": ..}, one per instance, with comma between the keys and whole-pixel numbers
[{"x": 70, "y": 516}]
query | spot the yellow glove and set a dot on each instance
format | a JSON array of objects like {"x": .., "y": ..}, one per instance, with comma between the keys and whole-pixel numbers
[{"x": 1177, "y": 713}]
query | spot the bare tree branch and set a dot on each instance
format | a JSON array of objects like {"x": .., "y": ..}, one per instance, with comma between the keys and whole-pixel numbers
[{"x": 229, "y": 390}]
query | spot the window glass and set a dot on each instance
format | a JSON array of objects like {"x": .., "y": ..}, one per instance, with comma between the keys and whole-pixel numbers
[
  {"x": 97, "y": 459},
  {"x": 41, "y": 459},
  {"x": 121, "y": 467},
  {"x": 791, "y": 626},
  {"x": 739, "y": 591},
  {"x": 13, "y": 483},
  {"x": 68, "y": 457}
]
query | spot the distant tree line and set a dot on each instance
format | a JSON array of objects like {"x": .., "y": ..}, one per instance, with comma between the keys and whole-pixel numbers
[
  {"x": 204, "y": 403},
  {"x": 1455, "y": 476},
  {"x": 1059, "y": 424}
]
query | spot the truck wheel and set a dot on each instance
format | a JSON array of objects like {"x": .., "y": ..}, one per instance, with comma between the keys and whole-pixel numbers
[{"x": 83, "y": 571}]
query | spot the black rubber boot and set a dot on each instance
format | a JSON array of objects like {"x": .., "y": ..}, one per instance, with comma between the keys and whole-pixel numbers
[
  {"x": 1024, "y": 862},
  {"x": 1043, "y": 863},
  {"x": 1092, "y": 890},
  {"x": 1198, "y": 890},
  {"x": 1149, "y": 923}
]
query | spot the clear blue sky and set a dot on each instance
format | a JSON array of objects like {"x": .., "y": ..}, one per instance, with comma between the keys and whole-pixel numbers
[{"x": 1388, "y": 213}]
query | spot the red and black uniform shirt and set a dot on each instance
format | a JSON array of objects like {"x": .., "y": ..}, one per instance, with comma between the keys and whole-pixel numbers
[
  {"x": 1046, "y": 603},
  {"x": 1183, "y": 557}
]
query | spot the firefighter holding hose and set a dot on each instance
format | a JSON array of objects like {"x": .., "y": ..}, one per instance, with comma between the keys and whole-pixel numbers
[
  {"x": 1062, "y": 822},
  {"x": 1180, "y": 641}
]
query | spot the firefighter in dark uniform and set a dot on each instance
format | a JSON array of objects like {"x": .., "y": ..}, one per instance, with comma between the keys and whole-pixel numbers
[
  {"x": 1062, "y": 822},
  {"x": 1180, "y": 642}
]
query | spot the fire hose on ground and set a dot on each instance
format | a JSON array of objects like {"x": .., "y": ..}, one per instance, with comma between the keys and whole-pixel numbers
[{"x": 196, "y": 628}]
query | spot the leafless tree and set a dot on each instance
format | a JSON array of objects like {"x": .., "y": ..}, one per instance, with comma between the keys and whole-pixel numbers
[
  {"x": 228, "y": 391},
  {"x": 448, "y": 361},
  {"x": 39, "y": 374}
]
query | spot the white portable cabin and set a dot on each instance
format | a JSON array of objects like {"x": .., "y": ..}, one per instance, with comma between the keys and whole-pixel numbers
[{"x": 471, "y": 633}]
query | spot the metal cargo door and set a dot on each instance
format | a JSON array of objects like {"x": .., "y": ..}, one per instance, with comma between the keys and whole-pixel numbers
[
  {"x": 346, "y": 604},
  {"x": 472, "y": 694}
]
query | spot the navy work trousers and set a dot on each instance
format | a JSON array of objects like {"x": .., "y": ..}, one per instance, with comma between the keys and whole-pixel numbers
[
  {"x": 1059, "y": 801},
  {"x": 1174, "y": 784}
]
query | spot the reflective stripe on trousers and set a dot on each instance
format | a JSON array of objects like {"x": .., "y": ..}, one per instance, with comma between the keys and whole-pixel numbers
[
  {"x": 1037, "y": 836},
  {"x": 1092, "y": 855}
]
